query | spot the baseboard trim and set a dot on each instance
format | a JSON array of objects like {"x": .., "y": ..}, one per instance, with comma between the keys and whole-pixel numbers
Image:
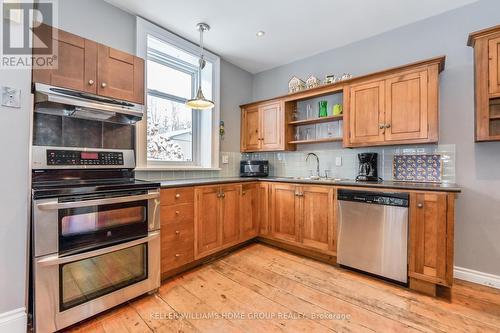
[
  {"x": 14, "y": 321},
  {"x": 478, "y": 277}
]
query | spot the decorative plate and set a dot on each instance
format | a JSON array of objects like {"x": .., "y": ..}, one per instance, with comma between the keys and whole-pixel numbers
[{"x": 417, "y": 168}]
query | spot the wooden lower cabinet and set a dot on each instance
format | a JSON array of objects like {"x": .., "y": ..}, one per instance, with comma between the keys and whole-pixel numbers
[
  {"x": 263, "y": 207},
  {"x": 217, "y": 218},
  {"x": 317, "y": 218},
  {"x": 177, "y": 228},
  {"x": 230, "y": 214},
  {"x": 304, "y": 216},
  {"x": 284, "y": 212},
  {"x": 249, "y": 210},
  {"x": 431, "y": 225},
  {"x": 200, "y": 221}
]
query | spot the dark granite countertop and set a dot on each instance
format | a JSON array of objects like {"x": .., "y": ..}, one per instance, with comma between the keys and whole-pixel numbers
[{"x": 445, "y": 187}]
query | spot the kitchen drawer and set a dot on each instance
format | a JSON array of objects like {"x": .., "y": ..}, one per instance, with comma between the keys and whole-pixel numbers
[
  {"x": 174, "y": 258},
  {"x": 174, "y": 196},
  {"x": 177, "y": 213},
  {"x": 179, "y": 234}
]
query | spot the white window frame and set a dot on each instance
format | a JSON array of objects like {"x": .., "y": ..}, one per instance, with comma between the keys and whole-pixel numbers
[{"x": 145, "y": 29}]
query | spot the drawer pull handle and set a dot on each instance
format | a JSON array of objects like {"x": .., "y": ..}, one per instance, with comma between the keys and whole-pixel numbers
[
  {"x": 420, "y": 205},
  {"x": 177, "y": 196},
  {"x": 177, "y": 255}
]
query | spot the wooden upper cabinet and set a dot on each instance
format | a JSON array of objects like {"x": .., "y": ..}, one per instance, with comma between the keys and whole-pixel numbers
[
  {"x": 263, "y": 127},
  {"x": 494, "y": 66},
  {"x": 208, "y": 226},
  {"x": 317, "y": 217},
  {"x": 230, "y": 213},
  {"x": 399, "y": 107},
  {"x": 272, "y": 126},
  {"x": 284, "y": 210},
  {"x": 486, "y": 44},
  {"x": 406, "y": 109},
  {"x": 120, "y": 75},
  {"x": 431, "y": 237},
  {"x": 87, "y": 66},
  {"x": 367, "y": 113},
  {"x": 76, "y": 64},
  {"x": 249, "y": 210},
  {"x": 250, "y": 129}
]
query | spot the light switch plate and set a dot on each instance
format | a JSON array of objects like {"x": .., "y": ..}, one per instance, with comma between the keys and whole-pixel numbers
[
  {"x": 11, "y": 97},
  {"x": 338, "y": 161},
  {"x": 225, "y": 159}
]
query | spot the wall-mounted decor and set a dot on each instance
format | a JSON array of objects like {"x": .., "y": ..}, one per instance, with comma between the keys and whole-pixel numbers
[
  {"x": 417, "y": 168},
  {"x": 295, "y": 84},
  {"x": 312, "y": 82}
]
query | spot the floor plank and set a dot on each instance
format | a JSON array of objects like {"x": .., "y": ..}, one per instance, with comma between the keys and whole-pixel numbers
[{"x": 291, "y": 293}]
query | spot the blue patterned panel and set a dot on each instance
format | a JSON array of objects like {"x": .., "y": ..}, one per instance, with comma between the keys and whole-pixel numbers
[{"x": 417, "y": 168}]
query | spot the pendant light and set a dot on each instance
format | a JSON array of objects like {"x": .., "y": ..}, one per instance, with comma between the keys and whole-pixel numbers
[{"x": 200, "y": 102}]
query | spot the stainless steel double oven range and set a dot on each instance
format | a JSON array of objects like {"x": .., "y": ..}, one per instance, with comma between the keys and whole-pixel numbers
[{"x": 95, "y": 228}]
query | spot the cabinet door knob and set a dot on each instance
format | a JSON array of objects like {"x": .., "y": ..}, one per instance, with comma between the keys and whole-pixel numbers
[
  {"x": 381, "y": 126},
  {"x": 243, "y": 192},
  {"x": 104, "y": 85},
  {"x": 177, "y": 196},
  {"x": 177, "y": 255},
  {"x": 177, "y": 232},
  {"x": 420, "y": 205},
  {"x": 91, "y": 82},
  {"x": 387, "y": 125},
  {"x": 177, "y": 212}
]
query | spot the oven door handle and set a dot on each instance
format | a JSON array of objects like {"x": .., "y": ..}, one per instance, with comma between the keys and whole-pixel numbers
[
  {"x": 52, "y": 205},
  {"x": 56, "y": 260}
]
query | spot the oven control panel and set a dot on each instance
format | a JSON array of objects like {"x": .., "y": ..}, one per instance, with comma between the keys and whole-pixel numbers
[{"x": 75, "y": 157}]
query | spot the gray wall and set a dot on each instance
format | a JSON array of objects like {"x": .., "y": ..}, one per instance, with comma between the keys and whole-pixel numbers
[
  {"x": 104, "y": 23},
  {"x": 477, "y": 170},
  {"x": 14, "y": 171}
]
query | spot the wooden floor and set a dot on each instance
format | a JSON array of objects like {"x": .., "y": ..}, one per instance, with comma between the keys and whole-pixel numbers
[{"x": 263, "y": 289}]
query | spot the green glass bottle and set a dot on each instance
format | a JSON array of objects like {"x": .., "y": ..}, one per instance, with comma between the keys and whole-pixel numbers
[{"x": 323, "y": 109}]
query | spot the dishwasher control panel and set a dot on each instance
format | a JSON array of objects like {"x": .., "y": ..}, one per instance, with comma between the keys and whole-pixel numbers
[{"x": 378, "y": 198}]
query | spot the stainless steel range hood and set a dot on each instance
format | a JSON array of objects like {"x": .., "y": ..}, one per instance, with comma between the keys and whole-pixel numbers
[{"x": 73, "y": 103}]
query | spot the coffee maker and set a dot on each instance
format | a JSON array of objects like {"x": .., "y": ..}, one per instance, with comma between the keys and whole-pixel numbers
[{"x": 367, "y": 167}]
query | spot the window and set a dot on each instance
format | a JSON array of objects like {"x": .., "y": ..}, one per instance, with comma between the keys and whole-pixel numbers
[{"x": 172, "y": 135}]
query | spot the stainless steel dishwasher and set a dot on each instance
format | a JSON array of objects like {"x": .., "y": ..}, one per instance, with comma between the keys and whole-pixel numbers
[{"x": 373, "y": 233}]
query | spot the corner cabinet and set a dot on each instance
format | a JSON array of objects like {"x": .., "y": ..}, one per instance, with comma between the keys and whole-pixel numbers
[
  {"x": 486, "y": 44},
  {"x": 263, "y": 127},
  {"x": 87, "y": 66},
  {"x": 398, "y": 108}
]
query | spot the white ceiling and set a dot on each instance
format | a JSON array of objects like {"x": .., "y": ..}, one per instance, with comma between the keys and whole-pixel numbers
[{"x": 295, "y": 29}]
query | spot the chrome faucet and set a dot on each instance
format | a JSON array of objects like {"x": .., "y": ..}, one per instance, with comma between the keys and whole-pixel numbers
[{"x": 317, "y": 162}]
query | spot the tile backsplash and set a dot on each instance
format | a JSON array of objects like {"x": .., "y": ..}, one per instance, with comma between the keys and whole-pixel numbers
[
  {"x": 231, "y": 169},
  {"x": 293, "y": 164}
]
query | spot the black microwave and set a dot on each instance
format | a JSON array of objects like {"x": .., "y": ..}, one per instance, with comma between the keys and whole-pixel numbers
[{"x": 254, "y": 168}]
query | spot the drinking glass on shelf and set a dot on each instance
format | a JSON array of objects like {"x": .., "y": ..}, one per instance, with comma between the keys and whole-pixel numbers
[
  {"x": 309, "y": 134},
  {"x": 330, "y": 130},
  {"x": 309, "y": 112},
  {"x": 297, "y": 134}
]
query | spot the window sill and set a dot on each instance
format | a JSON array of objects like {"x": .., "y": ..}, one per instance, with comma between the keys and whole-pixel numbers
[{"x": 175, "y": 168}]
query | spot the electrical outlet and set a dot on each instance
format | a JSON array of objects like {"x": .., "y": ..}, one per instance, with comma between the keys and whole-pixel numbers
[
  {"x": 338, "y": 161},
  {"x": 11, "y": 97},
  {"x": 225, "y": 159}
]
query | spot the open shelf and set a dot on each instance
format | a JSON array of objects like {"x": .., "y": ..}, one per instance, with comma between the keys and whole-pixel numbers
[
  {"x": 316, "y": 140},
  {"x": 316, "y": 120}
]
